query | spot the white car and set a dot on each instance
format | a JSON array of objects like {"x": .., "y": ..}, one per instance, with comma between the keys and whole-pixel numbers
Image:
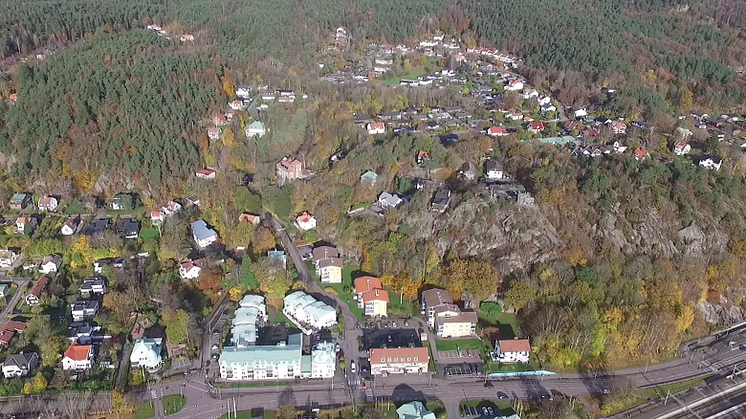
[{"x": 353, "y": 368}]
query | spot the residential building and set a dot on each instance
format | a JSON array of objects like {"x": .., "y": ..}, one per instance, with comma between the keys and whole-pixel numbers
[
  {"x": 683, "y": 133},
  {"x": 467, "y": 171},
  {"x": 493, "y": 170},
  {"x": 70, "y": 226},
  {"x": 440, "y": 201},
  {"x": 330, "y": 270},
  {"x": 190, "y": 269},
  {"x": 84, "y": 309},
  {"x": 202, "y": 234},
  {"x": 8, "y": 257},
  {"x": 264, "y": 362},
  {"x": 122, "y": 202},
  {"x": 536, "y": 127},
  {"x": 205, "y": 173},
  {"x": 512, "y": 351},
  {"x": 399, "y": 361},
  {"x": 81, "y": 332},
  {"x": 323, "y": 360},
  {"x": 681, "y": 148},
  {"x": 618, "y": 127},
  {"x": 371, "y": 296},
  {"x": 431, "y": 299},
  {"x": 252, "y": 313},
  {"x": 33, "y": 298},
  {"x": 514, "y": 85},
  {"x": 78, "y": 358},
  {"x": 414, "y": 410},
  {"x": 369, "y": 177},
  {"x": 25, "y": 225},
  {"x": 710, "y": 162},
  {"x": 213, "y": 134},
  {"x": 20, "y": 365},
  {"x": 157, "y": 216},
  {"x": 48, "y": 203},
  {"x": 97, "y": 226},
  {"x": 50, "y": 264},
  {"x": 255, "y": 128},
  {"x": 446, "y": 318},
  {"x": 375, "y": 128},
  {"x": 93, "y": 285},
  {"x": 171, "y": 208},
  {"x": 4, "y": 290},
  {"x": 580, "y": 113},
  {"x": 19, "y": 201},
  {"x": 289, "y": 169},
  {"x": 279, "y": 257},
  {"x": 250, "y": 218},
  {"x": 146, "y": 354},
  {"x": 497, "y": 132},
  {"x": 220, "y": 120},
  {"x": 423, "y": 157},
  {"x": 307, "y": 313},
  {"x": 305, "y": 221},
  {"x": 128, "y": 228},
  {"x": 8, "y": 330},
  {"x": 641, "y": 154},
  {"x": 390, "y": 200}
]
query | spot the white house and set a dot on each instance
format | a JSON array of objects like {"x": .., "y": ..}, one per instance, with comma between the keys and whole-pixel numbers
[
  {"x": 512, "y": 351},
  {"x": 78, "y": 358},
  {"x": 323, "y": 360},
  {"x": 514, "y": 85},
  {"x": 581, "y": 113},
  {"x": 190, "y": 269},
  {"x": 8, "y": 257},
  {"x": 19, "y": 365},
  {"x": 147, "y": 354},
  {"x": 205, "y": 174},
  {"x": 711, "y": 162},
  {"x": 84, "y": 309},
  {"x": 171, "y": 208},
  {"x": 50, "y": 264},
  {"x": 390, "y": 200},
  {"x": 307, "y": 313},
  {"x": 94, "y": 285},
  {"x": 305, "y": 221},
  {"x": 681, "y": 148},
  {"x": 255, "y": 128},
  {"x": 243, "y": 92},
  {"x": 70, "y": 226},
  {"x": 375, "y": 128},
  {"x": 493, "y": 170},
  {"x": 202, "y": 234},
  {"x": 48, "y": 203}
]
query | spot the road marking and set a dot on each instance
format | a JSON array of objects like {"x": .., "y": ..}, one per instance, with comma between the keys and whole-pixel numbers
[{"x": 153, "y": 394}]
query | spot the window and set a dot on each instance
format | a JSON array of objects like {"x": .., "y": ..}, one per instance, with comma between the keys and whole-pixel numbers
[
  {"x": 383, "y": 359},
  {"x": 415, "y": 358},
  {"x": 396, "y": 359},
  {"x": 409, "y": 358},
  {"x": 389, "y": 359}
]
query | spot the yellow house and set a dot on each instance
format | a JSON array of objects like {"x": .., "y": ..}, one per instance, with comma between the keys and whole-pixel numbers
[
  {"x": 330, "y": 270},
  {"x": 371, "y": 296},
  {"x": 451, "y": 322}
]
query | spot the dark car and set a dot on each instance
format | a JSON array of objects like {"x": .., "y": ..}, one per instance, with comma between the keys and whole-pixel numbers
[
  {"x": 488, "y": 384},
  {"x": 502, "y": 396},
  {"x": 491, "y": 410},
  {"x": 742, "y": 348}
]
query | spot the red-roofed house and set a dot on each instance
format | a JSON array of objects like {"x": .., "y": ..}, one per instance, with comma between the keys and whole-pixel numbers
[
  {"x": 8, "y": 330},
  {"x": 48, "y": 203},
  {"x": 399, "y": 360},
  {"x": 249, "y": 218},
  {"x": 190, "y": 269},
  {"x": 422, "y": 156},
  {"x": 205, "y": 174},
  {"x": 289, "y": 169},
  {"x": 618, "y": 127},
  {"x": 219, "y": 120},
  {"x": 537, "y": 127},
  {"x": 371, "y": 296},
  {"x": 33, "y": 298},
  {"x": 497, "y": 132},
  {"x": 511, "y": 351},
  {"x": 376, "y": 128},
  {"x": 681, "y": 148},
  {"x": 78, "y": 358},
  {"x": 305, "y": 221},
  {"x": 157, "y": 216},
  {"x": 641, "y": 154}
]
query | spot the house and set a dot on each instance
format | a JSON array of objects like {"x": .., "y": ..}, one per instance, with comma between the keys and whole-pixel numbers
[
  {"x": 684, "y": 133},
  {"x": 286, "y": 99},
  {"x": 146, "y": 354},
  {"x": 422, "y": 157},
  {"x": 512, "y": 351},
  {"x": 19, "y": 201},
  {"x": 50, "y": 264},
  {"x": 330, "y": 270},
  {"x": 467, "y": 171},
  {"x": 78, "y": 358},
  {"x": 20, "y": 365},
  {"x": 641, "y": 154},
  {"x": 33, "y": 298},
  {"x": 122, "y": 202},
  {"x": 514, "y": 116},
  {"x": 514, "y": 85},
  {"x": 190, "y": 269},
  {"x": 618, "y": 127},
  {"x": 307, "y": 313},
  {"x": 48, "y": 203},
  {"x": 681, "y": 148},
  {"x": 157, "y": 217},
  {"x": 493, "y": 169},
  {"x": 497, "y": 132},
  {"x": 369, "y": 177},
  {"x": 414, "y": 410},
  {"x": 81, "y": 332},
  {"x": 171, "y": 208},
  {"x": 305, "y": 221},
  {"x": 70, "y": 226},
  {"x": 390, "y": 200},
  {"x": 441, "y": 200},
  {"x": 220, "y": 120},
  {"x": 371, "y": 296},
  {"x": 186, "y": 38},
  {"x": 243, "y": 92},
  {"x": 84, "y": 309},
  {"x": 289, "y": 169},
  {"x": 268, "y": 95},
  {"x": 279, "y": 258},
  {"x": 213, "y": 134},
  {"x": 205, "y": 174},
  {"x": 618, "y": 147},
  {"x": 98, "y": 266},
  {"x": 8, "y": 330},
  {"x": 237, "y": 105},
  {"x": 202, "y": 234},
  {"x": 580, "y": 113},
  {"x": 536, "y": 127},
  {"x": 445, "y": 317},
  {"x": 255, "y": 128},
  {"x": 249, "y": 218},
  {"x": 8, "y": 257},
  {"x": 4, "y": 290},
  {"x": 710, "y": 162},
  {"x": 25, "y": 225},
  {"x": 375, "y": 128},
  {"x": 128, "y": 228},
  {"x": 97, "y": 226},
  {"x": 384, "y": 361},
  {"x": 93, "y": 285}
]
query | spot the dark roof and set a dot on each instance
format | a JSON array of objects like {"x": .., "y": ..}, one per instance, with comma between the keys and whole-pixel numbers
[
  {"x": 97, "y": 226},
  {"x": 127, "y": 226},
  {"x": 442, "y": 196},
  {"x": 492, "y": 165},
  {"x": 21, "y": 360}
]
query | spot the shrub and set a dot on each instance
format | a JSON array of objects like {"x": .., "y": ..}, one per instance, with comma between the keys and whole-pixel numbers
[
  {"x": 331, "y": 290},
  {"x": 493, "y": 309}
]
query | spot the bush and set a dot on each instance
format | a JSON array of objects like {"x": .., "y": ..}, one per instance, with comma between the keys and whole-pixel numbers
[
  {"x": 493, "y": 309},
  {"x": 331, "y": 290}
]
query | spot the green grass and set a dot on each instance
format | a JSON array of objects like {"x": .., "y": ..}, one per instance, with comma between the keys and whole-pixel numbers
[
  {"x": 504, "y": 407},
  {"x": 359, "y": 206},
  {"x": 149, "y": 234},
  {"x": 345, "y": 289},
  {"x": 454, "y": 344},
  {"x": 173, "y": 404},
  {"x": 244, "y": 414},
  {"x": 282, "y": 318},
  {"x": 243, "y": 385},
  {"x": 417, "y": 71},
  {"x": 614, "y": 404},
  {"x": 276, "y": 384},
  {"x": 144, "y": 411},
  {"x": 507, "y": 323},
  {"x": 74, "y": 208}
]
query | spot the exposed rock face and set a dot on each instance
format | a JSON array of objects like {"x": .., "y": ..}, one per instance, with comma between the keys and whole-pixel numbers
[
  {"x": 696, "y": 242},
  {"x": 720, "y": 314}
]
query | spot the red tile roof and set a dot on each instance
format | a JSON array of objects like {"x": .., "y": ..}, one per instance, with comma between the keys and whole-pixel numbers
[
  {"x": 39, "y": 287},
  {"x": 402, "y": 353},
  {"x": 78, "y": 352},
  {"x": 376, "y": 295},
  {"x": 367, "y": 283},
  {"x": 514, "y": 345}
]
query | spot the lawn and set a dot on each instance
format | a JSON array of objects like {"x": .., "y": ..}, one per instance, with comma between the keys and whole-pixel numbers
[
  {"x": 248, "y": 414},
  {"x": 507, "y": 323},
  {"x": 417, "y": 71},
  {"x": 243, "y": 385},
  {"x": 173, "y": 404},
  {"x": 345, "y": 289},
  {"x": 619, "y": 403},
  {"x": 148, "y": 234},
  {"x": 282, "y": 318},
  {"x": 455, "y": 344},
  {"x": 144, "y": 411}
]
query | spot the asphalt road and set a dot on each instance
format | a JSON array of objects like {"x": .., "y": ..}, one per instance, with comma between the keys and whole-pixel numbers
[{"x": 20, "y": 293}]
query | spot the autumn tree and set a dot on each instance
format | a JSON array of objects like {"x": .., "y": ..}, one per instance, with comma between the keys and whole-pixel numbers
[
  {"x": 472, "y": 275},
  {"x": 51, "y": 350},
  {"x": 176, "y": 323},
  {"x": 264, "y": 240}
]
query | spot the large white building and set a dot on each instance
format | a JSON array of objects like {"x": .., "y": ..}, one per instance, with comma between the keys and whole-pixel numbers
[
  {"x": 284, "y": 361},
  {"x": 147, "y": 354},
  {"x": 307, "y": 313},
  {"x": 251, "y": 313},
  {"x": 512, "y": 351}
]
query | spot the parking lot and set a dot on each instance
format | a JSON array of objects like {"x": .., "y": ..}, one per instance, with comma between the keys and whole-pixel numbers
[
  {"x": 461, "y": 355},
  {"x": 465, "y": 369},
  {"x": 391, "y": 338}
]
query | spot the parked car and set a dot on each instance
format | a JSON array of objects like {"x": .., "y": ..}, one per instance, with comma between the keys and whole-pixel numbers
[
  {"x": 488, "y": 384},
  {"x": 485, "y": 411},
  {"x": 491, "y": 410},
  {"x": 353, "y": 367},
  {"x": 502, "y": 396}
]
